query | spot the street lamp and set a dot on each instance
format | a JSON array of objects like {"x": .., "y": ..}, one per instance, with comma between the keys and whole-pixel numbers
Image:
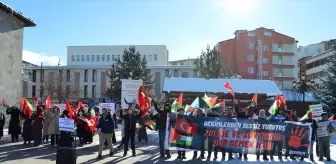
[{"x": 302, "y": 86}]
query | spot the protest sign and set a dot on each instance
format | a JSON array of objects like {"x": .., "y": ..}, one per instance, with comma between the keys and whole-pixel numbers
[
  {"x": 317, "y": 110},
  {"x": 326, "y": 128},
  {"x": 129, "y": 91},
  {"x": 66, "y": 125},
  {"x": 107, "y": 106},
  {"x": 237, "y": 136}
]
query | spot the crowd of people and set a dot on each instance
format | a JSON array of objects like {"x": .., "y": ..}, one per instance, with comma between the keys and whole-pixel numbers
[{"x": 43, "y": 124}]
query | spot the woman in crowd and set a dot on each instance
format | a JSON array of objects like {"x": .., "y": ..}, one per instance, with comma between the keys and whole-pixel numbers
[
  {"x": 79, "y": 118},
  {"x": 53, "y": 128},
  {"x": 27, "y": 129},
  {"x": 2, "y": 123},
  {"x": 14, "y": 128},
  {"x": 38, "y": 126},
  {"x": 46, "y": 122}
]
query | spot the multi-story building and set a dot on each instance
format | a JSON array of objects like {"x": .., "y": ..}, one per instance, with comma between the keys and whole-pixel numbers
[
  {"x": 261, "y": 54},
  {"x": 183, "y": 62},
  {"x": 12, "y": 24},
  {"x": 316, "y": 65},
  {"x": 89, "y": 75},
  {"x": 305, "y": 52}
]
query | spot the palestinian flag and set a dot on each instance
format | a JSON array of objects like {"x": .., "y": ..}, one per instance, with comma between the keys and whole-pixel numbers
[
  {"x": 278, "y": 102},
  {"x": 209, "y": 101},
  {"x": 308, "y": 115},
  {"x": 189, "y": 109},
  {"x": 177, "y": 103},
  {"x": 151, "y": 125},
  {"x": 221, "y": 104},
  {"x": 195, "y": 103},
  {"x": 182, "y": 135},
  {"x": 254, "y": 100}
]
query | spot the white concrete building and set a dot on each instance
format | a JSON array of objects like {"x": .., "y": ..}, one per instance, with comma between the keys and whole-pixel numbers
[
  {"x": 106, "y": 55},
  {"x": 12, "y": 24},
  {"x": 92, "y": 81},
  {"x": 183, "y": 62},
  {"x": 316, "y": 65},
  {"x": 310, "y": 50}
]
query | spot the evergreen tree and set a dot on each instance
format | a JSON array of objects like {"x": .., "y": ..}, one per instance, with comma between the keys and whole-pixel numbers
[
  {"x": 130, "y": 61},
  {"x": 327, "y": 90},
  {"x": 210, "y": 64}
]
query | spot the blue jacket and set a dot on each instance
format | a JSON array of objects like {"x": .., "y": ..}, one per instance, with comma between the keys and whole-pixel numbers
[
  {"x": 276, "y": 118},
  {"x": 106, "y": 125}
]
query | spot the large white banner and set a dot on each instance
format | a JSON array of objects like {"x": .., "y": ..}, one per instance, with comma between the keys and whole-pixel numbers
[
  {"x": 129, "y": 91},
  {"x": 107, "y": 106}
]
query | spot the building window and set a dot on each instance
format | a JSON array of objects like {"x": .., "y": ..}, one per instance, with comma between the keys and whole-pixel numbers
[
  {"x": 267, "y": 33},
  {"x": 86, "y": 91},
  {"x": 155, "y": 57},
  {"x": 94, "y": 75},
  {"x": 92, "y": 57},
  {"x": 86, "y": 75},
  {"x": 98, "y": 58},
  {"x": 194, "y": 74},
  {"x": 251, "y": 33},
  {"x": 93, "y": 91},
  {"x": 250, "y": 70},
  {"x": 265, "y": 60},
  {"x": 68, "y": 75},
  {"x": 265, "y": 48},
  {"x": 87, "y": 58},
  {"x": 184, "y": 74},
  {"x": 149, "y": 57},
  {"x": 108, "y": 57},
  {"x": 33, "y": 91},
  {"x": 250, "y": 45},
  {"x": 250, "y": 57},
  {"x": 175, "y": 73},
  {"x": 280, "y": 47},
  {"x": 73, "y": 58},
  {"x": 113, "y": 58},
  {"x": 167, "y": 73},
  {"x": 77, "y": 58},
  {"x": 103, "y": 58},
  {"x": 83, "y": 58},
  {"x": 34, "y": 75},
  {"x": 265, "y": 73}
]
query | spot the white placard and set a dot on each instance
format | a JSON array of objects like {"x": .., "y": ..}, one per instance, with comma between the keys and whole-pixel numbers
[
  {"x": 107, "y": 106},
  {"x": 322, "y": 130},
  {"x": 66, "y": 125},
  {"x": 317, "y": 110},
  {"x": 129, "y": 91},
  {"x": 61, "y": 106}
]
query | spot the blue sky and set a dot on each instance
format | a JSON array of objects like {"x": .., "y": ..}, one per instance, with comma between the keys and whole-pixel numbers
[{"x": 185, "y": 26}]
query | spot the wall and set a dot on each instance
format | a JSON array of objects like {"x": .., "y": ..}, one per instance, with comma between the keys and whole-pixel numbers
[
  {"x": 11, "y": 45},
  {"x": 114, "y": 51}
]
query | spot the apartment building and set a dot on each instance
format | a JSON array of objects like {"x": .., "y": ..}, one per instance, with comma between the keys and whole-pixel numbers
[
  {"x": 316, "y": 65},
  {"x": 261, "y": 54},
  {"x": 183, "y": 62},
  {"x": 12, "y": 24},
  {"x": 305, "y": 52}
]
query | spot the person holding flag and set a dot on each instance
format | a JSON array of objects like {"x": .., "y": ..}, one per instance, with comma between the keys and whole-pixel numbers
[
  {"x": 46, "y": 122},
  {"x": 161, "y": 126}
]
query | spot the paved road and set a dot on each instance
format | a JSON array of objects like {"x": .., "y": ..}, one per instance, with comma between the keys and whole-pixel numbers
[{"x": 17, "y": 153}]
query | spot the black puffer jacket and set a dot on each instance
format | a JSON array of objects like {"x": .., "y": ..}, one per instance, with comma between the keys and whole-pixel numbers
[
  {"x": 130, "y": 122},
  {"x": 313, "y": 125},
  {"x": 162, "y": 117}
]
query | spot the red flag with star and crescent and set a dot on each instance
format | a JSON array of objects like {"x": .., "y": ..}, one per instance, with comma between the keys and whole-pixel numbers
[{"x": 228, "y": 87}]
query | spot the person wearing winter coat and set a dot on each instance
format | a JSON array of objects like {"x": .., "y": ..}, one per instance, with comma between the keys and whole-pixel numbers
[
  {"x": 79, "y": 118},
  {"x": 46, "y": 122},
  {"x": 242, "y": 113},
  {"x": 324, "y": 142},
  {"x": 37, "y": 126},
  {"x": 277, "y": 118},
  {"x": 130, "y": 119},
  {"x": 181, "y": 154},
  {"x": 65, "y": 138},
  {"x": 228, "y": 114},
  {"x": 142, "y": 133},
  {"x": 313, "y": 135},
  {"x": 2, "y": 123},
  {"x": 14, "y": 128},
  {"x": 199, "y": 113},
  {"x": 105, "y": 128},
  {"x": 210, "y": 147},
  {"x": 161, "y": 127},
  {"x": 53, "y": 128},
  {"x": 27, "y": 129},
  {"x": 262, "y": 119}
]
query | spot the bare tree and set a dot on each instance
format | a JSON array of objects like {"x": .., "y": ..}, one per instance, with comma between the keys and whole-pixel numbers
[{"x": 61, "y": 86}]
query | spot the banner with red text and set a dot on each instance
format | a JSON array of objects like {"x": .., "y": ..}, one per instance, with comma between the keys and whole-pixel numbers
[{"x": 238, "y": 135}]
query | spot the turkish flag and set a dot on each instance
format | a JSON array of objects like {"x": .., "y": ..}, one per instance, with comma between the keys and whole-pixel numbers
[
  {"x": 48, "y": 103},
  {"x": 185, "y": 126},
  {"x": 228, "y": 87},
  {"x": 69, "y": 108}
]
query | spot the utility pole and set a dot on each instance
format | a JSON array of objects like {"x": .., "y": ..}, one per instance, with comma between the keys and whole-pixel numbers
[{"x": 41, "y": 82}]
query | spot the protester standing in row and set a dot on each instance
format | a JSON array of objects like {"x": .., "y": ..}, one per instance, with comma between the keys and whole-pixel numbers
[
  {"x": 199, "y": 113},
  {"x": 53, "y": 128},
  {"x": 37, "y": 126},
  {"x": 161, "y": 126},
  {"x": 277, "y": 118},
  {"x": 262, "y": 119},
  {"x": 105, "y": 129},
  {"x": 228, "y": 114},
  {"x": 26, "y": 129},
  {"x": 324, "y": 142},
  {"x": 14, "y": 128},
  {"x": 46, "y": 122},
  {"x": 2, "y": 123},
  {"x": 65, "y": 139},
  {"x": 310, "y": 120},
  {"x": 242, "y": 113},
  {"x": 79, "y": 118}
]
